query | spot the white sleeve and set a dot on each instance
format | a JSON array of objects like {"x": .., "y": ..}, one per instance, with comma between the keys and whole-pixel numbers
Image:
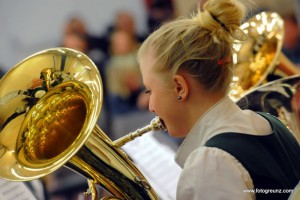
[{"x": 213, "y": 174}]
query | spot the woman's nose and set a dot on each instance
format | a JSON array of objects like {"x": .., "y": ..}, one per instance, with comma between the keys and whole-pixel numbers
[{"x": 151, "y": 109}]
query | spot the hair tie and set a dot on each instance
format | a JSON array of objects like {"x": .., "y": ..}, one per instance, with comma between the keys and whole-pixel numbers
[
  {"x": 217, "y": 20},
  {"x": 224, "y": 61}
]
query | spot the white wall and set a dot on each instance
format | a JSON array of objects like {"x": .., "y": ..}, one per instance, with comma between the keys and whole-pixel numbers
[{"x": 29, "y": 26}]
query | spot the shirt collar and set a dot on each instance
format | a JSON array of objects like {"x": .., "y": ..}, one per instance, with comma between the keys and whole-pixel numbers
[{"x": 206, "y": 127}]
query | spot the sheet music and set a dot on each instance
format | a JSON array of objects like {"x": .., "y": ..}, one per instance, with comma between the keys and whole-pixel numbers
[
  {"x": 156, "y": 162},
  {"x": 15, "y": 190}
]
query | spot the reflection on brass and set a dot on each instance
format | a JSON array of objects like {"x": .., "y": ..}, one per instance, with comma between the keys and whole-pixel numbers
[
  {"x": 255, "y": 60},
  {"x": 49, "y": 106},
  {"x": 260, "y": 55},
  {"x": 2, "y": 150}
]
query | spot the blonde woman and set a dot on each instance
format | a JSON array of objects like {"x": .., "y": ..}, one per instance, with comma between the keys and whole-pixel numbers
[{"x": 228, "y": 153}]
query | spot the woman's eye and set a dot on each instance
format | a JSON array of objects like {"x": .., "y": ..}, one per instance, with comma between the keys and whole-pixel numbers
[{"x": 147, "y": 91}]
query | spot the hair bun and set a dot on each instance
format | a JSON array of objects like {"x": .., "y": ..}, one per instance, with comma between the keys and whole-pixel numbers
[{"x": 221, "y": 16}]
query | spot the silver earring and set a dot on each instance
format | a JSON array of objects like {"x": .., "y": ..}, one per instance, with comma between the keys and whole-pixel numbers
[{"x": 179, "y": 98}]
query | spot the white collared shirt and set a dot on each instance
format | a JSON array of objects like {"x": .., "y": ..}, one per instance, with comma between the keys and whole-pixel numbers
[{"x": 211, "y": 173}]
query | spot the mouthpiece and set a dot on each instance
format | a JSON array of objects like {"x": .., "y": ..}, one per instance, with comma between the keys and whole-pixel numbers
[{"x": 155, "y": 125}]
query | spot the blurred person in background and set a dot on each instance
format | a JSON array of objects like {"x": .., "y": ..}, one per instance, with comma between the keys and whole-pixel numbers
[
  {"x": 123, "y": 75},
  {"x": 76, "y": 41},
  {"x": 123, "y": 21},
  {"x": 75, "y": 25},
  {"x": 158, "y": 12}
]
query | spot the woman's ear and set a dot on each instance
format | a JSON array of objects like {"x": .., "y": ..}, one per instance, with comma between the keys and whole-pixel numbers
[{"x": 181, "y": 86}]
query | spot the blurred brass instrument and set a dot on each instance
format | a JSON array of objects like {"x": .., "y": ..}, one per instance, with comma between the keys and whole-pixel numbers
[
  {"x": 49, "y": 106},
  {"x": 280, "y": 98},
  {"x": 255, "y": 60},
  {"x": 260, "y": 55}
]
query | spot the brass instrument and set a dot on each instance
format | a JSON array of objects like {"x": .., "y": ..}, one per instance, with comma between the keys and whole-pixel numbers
[
  {"x": 260, "y": 55},
  {"x": 49, "y": 106},
  {"x": 280, "y": 98}
]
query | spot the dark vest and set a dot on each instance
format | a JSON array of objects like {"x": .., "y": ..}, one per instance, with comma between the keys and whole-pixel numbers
[{"x": 273, "y": 161}]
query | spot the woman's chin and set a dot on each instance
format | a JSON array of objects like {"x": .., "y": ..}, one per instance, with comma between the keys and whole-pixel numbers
[{"x": 176, "y": 134}]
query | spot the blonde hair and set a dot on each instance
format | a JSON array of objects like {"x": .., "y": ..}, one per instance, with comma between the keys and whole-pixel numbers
[{"x": 200, "y": 45}]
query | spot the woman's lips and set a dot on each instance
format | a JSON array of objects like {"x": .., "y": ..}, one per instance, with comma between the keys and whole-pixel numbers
[{"x": 163, "y": 124}]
